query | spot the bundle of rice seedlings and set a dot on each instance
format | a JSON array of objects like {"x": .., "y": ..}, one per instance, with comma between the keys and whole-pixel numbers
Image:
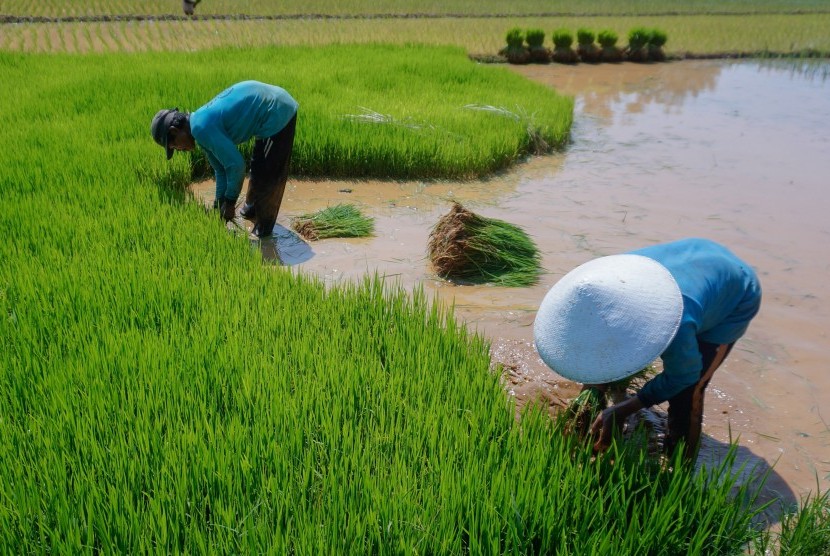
[
  {"x": 586, "y": 407},
  {"x": 586, "y": 49},
  {"x": 562, "y": 51},
  {"x": 607, "y": 40},
  {"x": 516, "y": 52},
  {"x": 638, "y": 39},
  {"x": 657, "y": 39},
  {"x": 583, "y": 411},
  {"x": 343, "y": 220},
  {"x": 466, "y": 247},
  {"x": 535, "y": 43}
]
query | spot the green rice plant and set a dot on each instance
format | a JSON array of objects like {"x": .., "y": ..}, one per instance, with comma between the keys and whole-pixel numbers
[
  {"x": 341, "y": 220},
  {"x": 656, "y": 40},
  {"x": 535, "y": 42},
  {"x": 516, "y": 52},
  {"x": 586, "y": 49},
  {"x": 607, "y": 38},
  {"x": 562, "y": 38},
  {"x": 562, "y": 51},
  {"x": 581, "y": 412},
  {"x": 535, "y": 37},
  {"x": 638, "y": 39},
  {"x": 803, "y": 532},
  {"x": 515, "y": 37},
  {"x": 467, "y": 247},
  {"x": 609, "y": 52}
]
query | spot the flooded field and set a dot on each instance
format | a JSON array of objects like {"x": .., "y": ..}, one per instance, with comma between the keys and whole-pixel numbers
[{"x": 735, "y": 152}]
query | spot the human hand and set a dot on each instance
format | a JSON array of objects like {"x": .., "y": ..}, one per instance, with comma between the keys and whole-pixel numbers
[
  {"x": 603, "y": 429},
  {"x": 612, "y": 419}
]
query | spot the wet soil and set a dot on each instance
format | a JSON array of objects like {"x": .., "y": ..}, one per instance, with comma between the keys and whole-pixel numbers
[{"x": 733, "y": 151}]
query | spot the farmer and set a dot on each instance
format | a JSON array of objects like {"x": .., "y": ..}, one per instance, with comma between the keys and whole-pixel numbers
[
  {"x": 189, "y": 5},
  {"x": 687, "y": 301},
  {"x": 247, "y": 109}
]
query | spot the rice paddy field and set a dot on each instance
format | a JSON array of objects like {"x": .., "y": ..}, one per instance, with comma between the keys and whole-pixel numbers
[
  {"x": 64, "y": 8},
  {"x": 163, "y": 391},
  {"x": 763, "y": 34}
]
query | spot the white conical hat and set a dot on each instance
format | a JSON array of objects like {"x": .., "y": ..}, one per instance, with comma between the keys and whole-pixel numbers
[{"x": 608, "y": 318}]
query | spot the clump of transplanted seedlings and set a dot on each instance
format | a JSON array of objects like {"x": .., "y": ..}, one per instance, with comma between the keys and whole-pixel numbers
[
  {"x": 583, "y": 410},
  {"x": 469, "y": 248},
  {"x": 516, "y": 52},
  {"x": 638, "y": 39},
  {"x": 563, "y": 52},
  {"x": 656, "y": 40},
  {"x": 535, "y": 44},
  {"x": 586, "y": 49},
  {"x": 609, "y": 51},
  {"x": 342, "y": 220}
]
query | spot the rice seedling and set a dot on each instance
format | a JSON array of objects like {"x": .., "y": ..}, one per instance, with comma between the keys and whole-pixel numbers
[
  {"x": 608, "y": 42},
  {"x": 582, "y": 411},
  {"x": 516, "y": 52},
  {"x": 562, "y": 51},
  {"x": 586, "y": 49},
  {"x": 470, "y": 248},
  {"x": 535, "y": 43},
  {"x": 638, "y": 39},
  {"x": 656, "y": 40},
  {"x": 341, "y": 220},
  {"x": 802, "y": 532}
]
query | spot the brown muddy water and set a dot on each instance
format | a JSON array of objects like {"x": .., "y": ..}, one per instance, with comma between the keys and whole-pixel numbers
[{"x": 737, "y": 152}]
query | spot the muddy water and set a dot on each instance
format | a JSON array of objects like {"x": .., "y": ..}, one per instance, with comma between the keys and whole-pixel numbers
[{"x": 736, "y": 152}]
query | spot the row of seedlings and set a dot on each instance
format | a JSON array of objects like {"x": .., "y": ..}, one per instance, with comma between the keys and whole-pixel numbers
[{"x": 644, "y": 45}]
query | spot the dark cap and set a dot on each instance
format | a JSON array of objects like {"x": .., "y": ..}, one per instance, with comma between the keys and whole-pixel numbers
[{"x": 160, "y": 128}]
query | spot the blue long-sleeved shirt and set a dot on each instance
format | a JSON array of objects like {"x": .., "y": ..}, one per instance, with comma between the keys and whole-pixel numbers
[
  {"x": 721, "y": 294},
  {"x": 247, "y": 109}
]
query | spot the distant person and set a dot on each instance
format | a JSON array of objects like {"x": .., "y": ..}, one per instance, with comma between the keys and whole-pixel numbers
[
  {"x": 687, "y": 301},
  {"x": 189, "y": 6},
  {"x": 240, "y": 112}
]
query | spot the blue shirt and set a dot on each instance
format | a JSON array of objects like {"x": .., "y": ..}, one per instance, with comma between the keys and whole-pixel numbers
[
  {"x": 247, "y": 109},
  {"x": 721, "y": 294}
]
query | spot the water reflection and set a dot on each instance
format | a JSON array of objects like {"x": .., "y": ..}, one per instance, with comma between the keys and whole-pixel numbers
[
  {"x": 811, "y": 70},
  {"x": 284, "y": 247},
  {"x": 601, "y": 89}
]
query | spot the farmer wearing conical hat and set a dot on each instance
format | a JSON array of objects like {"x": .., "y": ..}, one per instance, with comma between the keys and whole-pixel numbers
[
  {"x": 687, "y": 302},
  {"x": 240, "y": 112}
]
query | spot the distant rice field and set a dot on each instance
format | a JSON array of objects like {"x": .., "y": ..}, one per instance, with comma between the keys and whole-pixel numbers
[
  {"x": 70, "y": 8},
  {"x": 698, "y": 34}
]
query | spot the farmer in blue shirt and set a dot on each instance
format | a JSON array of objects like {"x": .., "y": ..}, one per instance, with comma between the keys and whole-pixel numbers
[
  {"x": 240, "y": 112},
  {"x": 687, "y": 301}
]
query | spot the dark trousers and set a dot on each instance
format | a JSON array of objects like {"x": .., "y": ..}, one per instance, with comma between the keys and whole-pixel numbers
[
  {"x": 269, "y": 174},
  {"x": 686, "y": 408}
]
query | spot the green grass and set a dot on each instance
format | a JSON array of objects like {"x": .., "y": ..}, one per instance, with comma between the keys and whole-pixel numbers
[
  {"x": 341, "y": 220},
  {"x": 350, "y": 7}
]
